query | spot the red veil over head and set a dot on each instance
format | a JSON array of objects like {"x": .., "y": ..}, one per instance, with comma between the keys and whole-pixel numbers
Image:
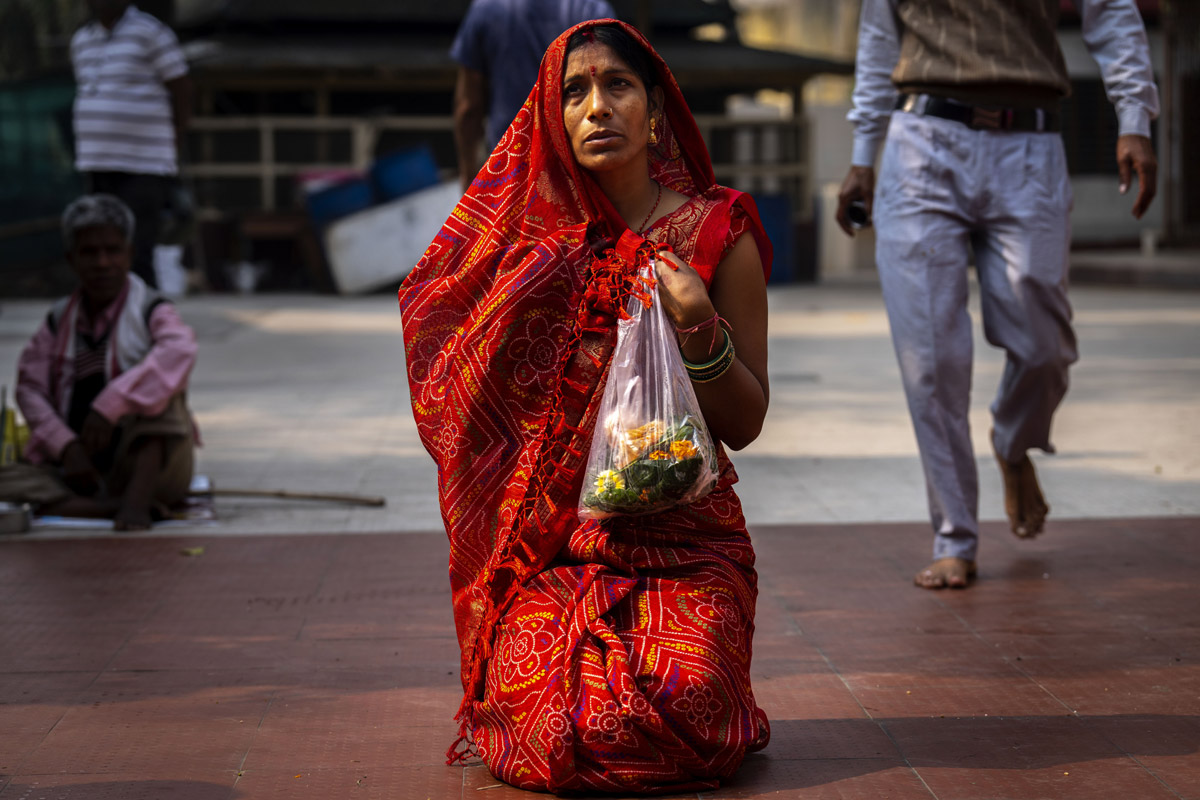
[{"x": 509, "y": 328}]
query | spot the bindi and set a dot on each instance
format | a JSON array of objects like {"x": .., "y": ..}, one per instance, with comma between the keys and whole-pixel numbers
[{"x": 593, "y": 68}]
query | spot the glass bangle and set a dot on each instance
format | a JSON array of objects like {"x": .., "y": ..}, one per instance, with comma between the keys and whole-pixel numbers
[
  {"x": 714, "y": 373},
  {"x": 714, "y": 369},
  {"x": 724, "y": 349}
]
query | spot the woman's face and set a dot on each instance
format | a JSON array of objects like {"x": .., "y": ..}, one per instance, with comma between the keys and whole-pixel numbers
[{"x": 606, "y": 110}]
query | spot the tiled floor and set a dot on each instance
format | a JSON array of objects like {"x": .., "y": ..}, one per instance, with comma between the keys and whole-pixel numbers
[{"x": 325, "y": 667}]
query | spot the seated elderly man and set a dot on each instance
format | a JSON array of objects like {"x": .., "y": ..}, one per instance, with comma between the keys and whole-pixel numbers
[{"x": 102, "y": 385}]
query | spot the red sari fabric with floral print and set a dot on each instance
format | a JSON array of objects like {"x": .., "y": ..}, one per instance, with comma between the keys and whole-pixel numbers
[{"x": 608, "y": 655}]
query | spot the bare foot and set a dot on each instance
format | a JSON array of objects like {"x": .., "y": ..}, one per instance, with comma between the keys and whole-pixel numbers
[
  {"x": 946, "y": 573},
  {"x": 135, "y": 513},
  {"x": 764, "y": 731},
  {"x": 132, "y": 519},
  {"x": 1023, "y": 501}
]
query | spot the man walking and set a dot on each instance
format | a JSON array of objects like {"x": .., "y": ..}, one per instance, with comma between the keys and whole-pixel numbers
[
  {"x": 132, "y": 107},
  {"x": 965, "y": 96},
  {"x": 499, "y": 47}
]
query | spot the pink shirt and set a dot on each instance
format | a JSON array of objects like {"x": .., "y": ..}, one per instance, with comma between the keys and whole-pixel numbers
[{"x": 145, "y": 389}]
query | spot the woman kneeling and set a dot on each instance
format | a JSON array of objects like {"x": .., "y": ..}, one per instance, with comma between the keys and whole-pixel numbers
[{"x": 613, "y": 654}]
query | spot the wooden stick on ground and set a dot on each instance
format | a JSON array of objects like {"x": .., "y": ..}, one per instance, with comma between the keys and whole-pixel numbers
[{"x": 286, "y": 494}]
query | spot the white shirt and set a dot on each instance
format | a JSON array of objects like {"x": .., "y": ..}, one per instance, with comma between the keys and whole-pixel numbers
[
  {"x": 123, "y": 119},
  {"x": 1112, "y": 30}
]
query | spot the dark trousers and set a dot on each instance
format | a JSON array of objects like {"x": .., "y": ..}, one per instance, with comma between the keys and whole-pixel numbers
[{"x": 145, "y": 195}]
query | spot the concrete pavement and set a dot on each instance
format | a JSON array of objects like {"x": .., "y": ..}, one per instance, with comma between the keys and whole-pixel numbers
[{"x": 308, "y": 393}]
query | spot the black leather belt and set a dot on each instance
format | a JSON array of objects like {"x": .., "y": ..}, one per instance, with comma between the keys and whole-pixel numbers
[{"x": 1036, "y": 120}]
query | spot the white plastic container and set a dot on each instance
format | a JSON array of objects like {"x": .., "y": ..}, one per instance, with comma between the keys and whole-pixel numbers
[
  {"x": 168, "y": 269},
  {"x": 378, "y": 247}
]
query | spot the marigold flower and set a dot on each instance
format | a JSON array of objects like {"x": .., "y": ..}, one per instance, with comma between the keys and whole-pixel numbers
[
  {"x": 659, "y": 455},
  {"x": 683, "y": 450}
]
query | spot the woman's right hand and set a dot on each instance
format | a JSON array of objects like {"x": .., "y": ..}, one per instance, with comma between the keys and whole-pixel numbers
[
  {"x": 735, "y": 404},
  {"x": 684, "y": 296}
]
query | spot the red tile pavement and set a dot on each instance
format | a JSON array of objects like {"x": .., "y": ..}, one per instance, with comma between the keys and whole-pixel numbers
[{"x": 326, "y": 667}]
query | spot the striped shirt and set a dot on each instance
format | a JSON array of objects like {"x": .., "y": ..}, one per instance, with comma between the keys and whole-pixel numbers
[
  {"x": 123, "y": 119},
  {"x": 1112, "y": 30}
]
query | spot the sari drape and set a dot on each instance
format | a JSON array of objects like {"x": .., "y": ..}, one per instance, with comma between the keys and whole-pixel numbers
[{"x": 607, "y": 655}]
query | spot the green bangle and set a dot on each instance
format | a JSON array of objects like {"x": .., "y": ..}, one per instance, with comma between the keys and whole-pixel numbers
[
  {"x": 704, "y": 373},
  {"x": 724, "y": 348},
  {"x": 715, "y": 372}
]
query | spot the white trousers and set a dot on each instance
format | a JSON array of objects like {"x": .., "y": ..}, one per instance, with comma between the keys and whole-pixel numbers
[{"x": 944, "y": 190}]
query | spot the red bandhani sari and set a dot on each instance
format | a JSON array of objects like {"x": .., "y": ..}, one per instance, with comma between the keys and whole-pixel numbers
[{"x": 609, "y": 655}]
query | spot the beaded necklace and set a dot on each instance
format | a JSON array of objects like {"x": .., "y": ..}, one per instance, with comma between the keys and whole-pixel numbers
[{"x": 653, "y": 208}]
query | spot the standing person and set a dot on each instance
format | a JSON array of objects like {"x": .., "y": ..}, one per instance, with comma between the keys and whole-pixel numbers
[
  {"x": 498, "y": 48},
  {"x": 605, "y": 655},
  {"x": 102, "y": 385},
  {"x": 973, "y": 159},
  {"x": 132, "y": 107}
]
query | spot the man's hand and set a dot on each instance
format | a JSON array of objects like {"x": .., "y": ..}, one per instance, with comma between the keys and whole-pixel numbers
[
  {"x": 96, "y": 434},
  {"x": 1136, "y": 154},
  {"x": 180, "y": 92},
  {"x": 859, "y": 185},
  {"x": 470, "y": 107},
  {"x": 79, "y": 473}
]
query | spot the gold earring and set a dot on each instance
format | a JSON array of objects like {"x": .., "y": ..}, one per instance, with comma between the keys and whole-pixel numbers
[{"x": 653, "y": 135}]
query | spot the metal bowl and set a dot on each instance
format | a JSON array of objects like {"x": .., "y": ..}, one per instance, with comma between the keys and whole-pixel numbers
[{"x": 13, "y": 518}]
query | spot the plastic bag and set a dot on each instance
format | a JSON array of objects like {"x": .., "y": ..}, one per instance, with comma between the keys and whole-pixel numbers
[{"x": 651, "y": 450}]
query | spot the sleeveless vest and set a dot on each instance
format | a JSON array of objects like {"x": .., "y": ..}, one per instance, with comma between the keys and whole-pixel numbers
[
  {"x": 129, "y": 343},
  {"x": 990, "y": 52}
]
